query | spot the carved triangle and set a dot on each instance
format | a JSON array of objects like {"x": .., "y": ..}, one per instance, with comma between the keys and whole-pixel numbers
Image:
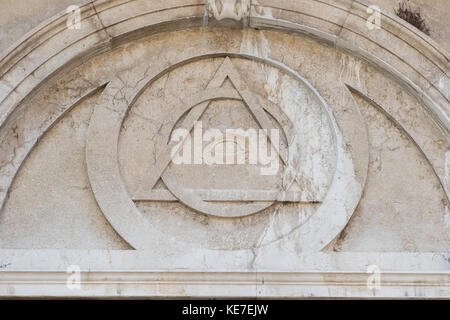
[
  {"x": 159, "y": 192},
  {"x": 160, "y": 185},
  {"x": 225, "y": 71}
]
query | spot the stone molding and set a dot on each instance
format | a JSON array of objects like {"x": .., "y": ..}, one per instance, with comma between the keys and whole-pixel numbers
[
  {"x": 411, "y": 57},
  {"x": 396, "y": 47},
  {"x": 135, "y": 274}
]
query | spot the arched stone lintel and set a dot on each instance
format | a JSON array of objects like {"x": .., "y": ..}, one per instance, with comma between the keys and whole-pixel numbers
[{"x": 106, "y": 23}]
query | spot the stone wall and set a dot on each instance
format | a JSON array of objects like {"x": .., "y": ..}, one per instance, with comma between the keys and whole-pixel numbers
[{"x": 350, "y": 150}]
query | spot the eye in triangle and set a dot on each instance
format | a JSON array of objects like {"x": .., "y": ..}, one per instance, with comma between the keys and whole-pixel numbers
[{"x": 151, "y": 187}]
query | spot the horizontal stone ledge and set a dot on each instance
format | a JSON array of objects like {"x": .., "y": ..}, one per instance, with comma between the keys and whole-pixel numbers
[
  {"x": 224, "y": 284},
  {"x": 52, "y": 260}
]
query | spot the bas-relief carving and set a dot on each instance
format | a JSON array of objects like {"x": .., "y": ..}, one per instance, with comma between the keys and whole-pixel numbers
[
  {"x": 234, "y": 183},
  {"x": 51, "y": 200},
  {"x": 382, "y": 147},
  {"x": 419, "y": 208},
  {"x": 101, "y": 152},
  {"x": 282, "y": 223},
  {"x": 258, "y": 190}
]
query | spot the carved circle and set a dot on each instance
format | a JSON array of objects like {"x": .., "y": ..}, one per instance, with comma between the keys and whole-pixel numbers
[{"x": 121, "y": 211}]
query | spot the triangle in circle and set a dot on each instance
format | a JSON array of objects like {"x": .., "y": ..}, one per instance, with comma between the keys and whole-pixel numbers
[{"x": 226, "y": 72}]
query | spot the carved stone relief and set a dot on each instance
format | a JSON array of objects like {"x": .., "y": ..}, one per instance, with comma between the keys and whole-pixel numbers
[
  {"x": 221, "y": 148},
  {"x": 147, "y": 199}
]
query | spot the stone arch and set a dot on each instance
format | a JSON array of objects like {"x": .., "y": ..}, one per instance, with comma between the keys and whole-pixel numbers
[{"x": 408, "y": 58}]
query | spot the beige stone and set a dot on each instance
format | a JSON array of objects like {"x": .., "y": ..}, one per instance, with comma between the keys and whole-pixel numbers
[{"x": 89, "y": 120}]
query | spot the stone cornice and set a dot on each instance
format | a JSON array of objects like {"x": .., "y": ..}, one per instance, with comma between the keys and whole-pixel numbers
[{"x": 136, "y": 274}]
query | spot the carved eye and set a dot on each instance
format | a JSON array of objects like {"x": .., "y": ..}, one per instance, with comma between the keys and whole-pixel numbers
[{"x": 240, "y": 148}]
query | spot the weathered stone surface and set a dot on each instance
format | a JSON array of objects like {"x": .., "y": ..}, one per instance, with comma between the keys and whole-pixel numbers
[{"x": 356, "y": 146}]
